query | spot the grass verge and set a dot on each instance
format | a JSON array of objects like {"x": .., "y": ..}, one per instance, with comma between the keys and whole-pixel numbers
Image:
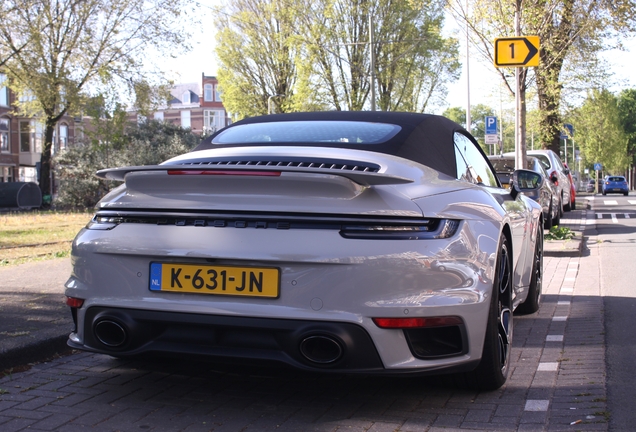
[{"x": 36, "y": 236}]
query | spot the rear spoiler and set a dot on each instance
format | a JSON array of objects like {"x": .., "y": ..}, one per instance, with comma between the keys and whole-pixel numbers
[{"x": 360, "y": 177}]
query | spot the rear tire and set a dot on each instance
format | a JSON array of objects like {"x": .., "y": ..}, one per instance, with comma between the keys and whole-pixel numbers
[
  {"x": 557, "y": 220},
  {"x": 533, "y": 301},
  {"x": 492, "y": 371},
  {"x": 548, "y": 220}
]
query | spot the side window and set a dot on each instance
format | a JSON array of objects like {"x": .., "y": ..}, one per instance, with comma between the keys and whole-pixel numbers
[
  {"x": 477, "y": 167},
  {"x": 463, "y": 173}
]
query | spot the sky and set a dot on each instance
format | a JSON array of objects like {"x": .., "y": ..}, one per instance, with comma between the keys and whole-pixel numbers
[{"x": 485, "y": 84}]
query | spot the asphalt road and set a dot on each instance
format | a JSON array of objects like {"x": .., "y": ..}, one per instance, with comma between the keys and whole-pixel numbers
[{"x": 615, "y": 238}]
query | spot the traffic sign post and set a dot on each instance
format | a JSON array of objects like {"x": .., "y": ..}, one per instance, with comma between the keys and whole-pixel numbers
[
  {"x": 517, "y": 51},
  {"x": 491, "y": 137},
  {"x": 491, "y": 125},
  {"x": 597, "y": 167}
]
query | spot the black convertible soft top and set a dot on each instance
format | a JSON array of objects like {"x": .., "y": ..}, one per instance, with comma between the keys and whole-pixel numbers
[{"x": 422, "y": 138}]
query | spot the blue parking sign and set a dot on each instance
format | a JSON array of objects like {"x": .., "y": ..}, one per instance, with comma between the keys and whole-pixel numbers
[
  {"x": 598, "y": 166},
  {"x": 491, "y": 125}
]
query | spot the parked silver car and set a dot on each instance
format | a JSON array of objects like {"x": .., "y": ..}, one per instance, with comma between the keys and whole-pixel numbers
[
  {"x": 545, "y": 196},
  {"x": 304, "y": 239},
  {"x": 557, "y": 173}
]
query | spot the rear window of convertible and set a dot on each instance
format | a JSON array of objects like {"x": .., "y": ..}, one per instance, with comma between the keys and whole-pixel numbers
[{"x": 308, "y": 131}]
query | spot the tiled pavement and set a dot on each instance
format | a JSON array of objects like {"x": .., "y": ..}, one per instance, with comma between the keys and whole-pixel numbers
[{"x": 556, "y": 383}]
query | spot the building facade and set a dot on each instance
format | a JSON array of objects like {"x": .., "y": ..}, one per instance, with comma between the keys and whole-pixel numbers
[
  {"x": 21, "y": 139},
  {"x": 197, "y": 106}
]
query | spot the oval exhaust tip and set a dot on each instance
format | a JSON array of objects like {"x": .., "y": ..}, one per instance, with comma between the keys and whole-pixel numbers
[
  {"x": 321, "y": 349},
  {"x": 110, "y": 333}
]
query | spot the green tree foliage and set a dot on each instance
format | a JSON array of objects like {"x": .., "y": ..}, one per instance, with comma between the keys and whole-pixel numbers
[
  {"x": 114, "y": 142},
  {"x": 56, "y": 50},
  {"x": 572, "y": 33},
  {"x": 478, "y": 115},
  {"x": 600, "y": 133},
  {"x": 627, "y": 114},
  {"x": 258, "y": 54},
  {"x": 316, "y": 55}
]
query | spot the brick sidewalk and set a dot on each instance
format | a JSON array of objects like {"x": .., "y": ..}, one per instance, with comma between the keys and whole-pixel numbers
[{"x": 557, "y": 378}]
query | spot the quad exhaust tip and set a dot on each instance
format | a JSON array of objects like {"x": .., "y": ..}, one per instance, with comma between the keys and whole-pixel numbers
[
  {"x": 321, "y": 349},
  {"x": 110, "y": 333}
]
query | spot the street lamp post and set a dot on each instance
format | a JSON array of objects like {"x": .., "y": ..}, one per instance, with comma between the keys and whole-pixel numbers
[{"x": 269, "y": 102}]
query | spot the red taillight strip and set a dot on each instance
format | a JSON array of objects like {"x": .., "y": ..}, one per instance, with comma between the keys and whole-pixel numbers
[
  {"x": 225, "y": 172},
  {"x": 402, "y": 323},
  {"x": 554, "y": 174},
  {"x": 74, "y": 302}
]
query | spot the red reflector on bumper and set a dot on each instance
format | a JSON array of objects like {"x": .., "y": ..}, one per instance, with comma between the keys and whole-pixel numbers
[
  {"x": 74, "y": 302},
  {"x": 225, "y": 172},
  {"x": 400, "y": 323}
]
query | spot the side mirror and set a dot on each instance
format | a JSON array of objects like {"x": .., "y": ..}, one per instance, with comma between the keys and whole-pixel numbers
[
  {"x": 525, "y": 181},
  {"x": 566, "y": 171}
]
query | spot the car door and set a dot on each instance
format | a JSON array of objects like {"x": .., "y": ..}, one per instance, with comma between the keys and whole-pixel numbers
[{"x": 472, "y": 165}]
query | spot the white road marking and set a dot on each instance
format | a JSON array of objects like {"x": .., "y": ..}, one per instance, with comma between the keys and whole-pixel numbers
[
  {"x": 548, "y": 366},
  {"x": 610, "y": 202},
  {"x": 554, "y": 338},
  {"x": 614, "y": 220},
  {"x": 559, "y": 318},
  {"x": 631, "y": 201},
  {"x": 537, "y": 405}
]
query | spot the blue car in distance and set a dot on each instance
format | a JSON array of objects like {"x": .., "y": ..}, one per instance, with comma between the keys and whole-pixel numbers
[{"x": 615, "y": 184}]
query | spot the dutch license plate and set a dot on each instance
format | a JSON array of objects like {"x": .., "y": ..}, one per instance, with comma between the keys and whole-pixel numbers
[{"x": 220, "y": 280}]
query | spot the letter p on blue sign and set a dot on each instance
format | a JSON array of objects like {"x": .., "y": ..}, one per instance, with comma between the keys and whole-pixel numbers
[{"x": 491, "y": 125}]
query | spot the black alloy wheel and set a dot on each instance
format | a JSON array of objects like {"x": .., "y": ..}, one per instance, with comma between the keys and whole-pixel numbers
[
  {"x": 492, "y": 371},
  {"x": 504, "y": 309}
]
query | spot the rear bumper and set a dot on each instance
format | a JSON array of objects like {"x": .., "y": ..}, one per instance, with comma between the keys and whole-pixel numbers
[
  {"x": 303, "y": 344},
  {"x": 615, "y": 190}
]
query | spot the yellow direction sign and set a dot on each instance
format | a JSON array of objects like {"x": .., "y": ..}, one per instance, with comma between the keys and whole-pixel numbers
[{"x": 522, "y": 51}]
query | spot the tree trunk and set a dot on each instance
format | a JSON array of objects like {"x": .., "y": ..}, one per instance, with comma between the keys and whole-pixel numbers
[
  {"x": 45, "y": 163},
  {"x": 549, "y": 93}
]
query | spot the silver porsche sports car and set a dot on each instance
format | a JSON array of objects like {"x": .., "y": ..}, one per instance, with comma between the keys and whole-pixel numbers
[{"x": 349, "y": 242}]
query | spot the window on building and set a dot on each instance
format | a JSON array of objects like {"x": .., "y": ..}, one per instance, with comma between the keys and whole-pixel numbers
[
  {"x": 4, "y": 90},
  {"x": 63, "y": 142},
  {"x": 158, "y": 116},
  {"x": 207, "y": 93},
  {"x": 26, "y": 137},
  {"x": 27, "y": 96},
  {"x": 4, "y": 136},
  {"x": 28, "y": 174},
  {"x": 6, "y": 174},
  {"x": 213, "y": 120},
  {"x": 185, "y": 98},
  {"x": 185, "y": 119},
  {"x": 217, "y": 93},
  {"x": 31, "y": 134}
]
